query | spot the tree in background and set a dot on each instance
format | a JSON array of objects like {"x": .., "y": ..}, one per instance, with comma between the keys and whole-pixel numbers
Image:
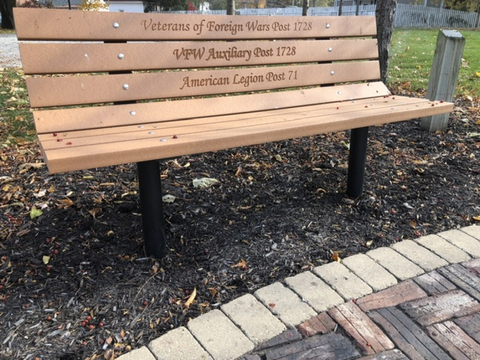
[
  {"x": 6, "y": 10},
  {"x": 218, "y": 5},
  {"x": 164, "y": 5},
  {"x": 93, "y": 5},
  {"x": 385, "y": 14}
]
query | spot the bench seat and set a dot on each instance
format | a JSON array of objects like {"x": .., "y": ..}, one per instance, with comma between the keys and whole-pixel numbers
[{"x": 147, "y": 138}]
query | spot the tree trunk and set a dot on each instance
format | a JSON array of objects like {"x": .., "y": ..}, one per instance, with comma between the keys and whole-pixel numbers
[
  {"x": 385, "y": 14},
  {"x": 6, "y": 9},
  {"x": 340, "y": 6},
  {"x": 230, "y": 7},
  {"x": 305, "y": 8}
]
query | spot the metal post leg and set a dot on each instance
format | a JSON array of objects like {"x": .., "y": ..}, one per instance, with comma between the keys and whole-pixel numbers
[
  {"x": 356, "y": 161},
  {"x": 151, "y": 205}
]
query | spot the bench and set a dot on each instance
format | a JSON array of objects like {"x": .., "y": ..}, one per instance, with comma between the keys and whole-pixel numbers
[{"x": 116, "y": 88}]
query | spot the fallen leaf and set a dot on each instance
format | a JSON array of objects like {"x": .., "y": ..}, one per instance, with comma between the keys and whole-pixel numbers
[
  {"x": 476, "y": 218},
  {"x": 95, "y": 211},
  {"x": 191, "y": 298},
  {"x": 336, "y": 257},
  {"x": 34, "y": 213},
  {"x": 241, "y": 264},
  {"x": 64, "y": 203},
  {"x": 45, "y": 259}
]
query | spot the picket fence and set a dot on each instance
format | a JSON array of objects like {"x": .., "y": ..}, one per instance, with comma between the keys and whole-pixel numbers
[{"x": 406, "y": 16}]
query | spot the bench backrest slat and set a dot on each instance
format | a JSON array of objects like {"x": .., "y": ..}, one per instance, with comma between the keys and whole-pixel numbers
[
  {"x": 90, "y": 25},
  {"x": 101, "y": 57},
  {"x": 76, "y": 90}
]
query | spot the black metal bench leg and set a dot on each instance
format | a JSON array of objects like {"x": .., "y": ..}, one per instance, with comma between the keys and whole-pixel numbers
[
  {"x": 356, "y": 161},
  {"x": 152, "y": 209}
]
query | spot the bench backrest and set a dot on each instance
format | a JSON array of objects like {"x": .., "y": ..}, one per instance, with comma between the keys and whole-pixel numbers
[{"x": 98, "y": 57}]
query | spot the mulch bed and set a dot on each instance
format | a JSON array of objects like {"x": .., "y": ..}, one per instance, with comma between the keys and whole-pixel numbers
[{"x": 75, "y": 282}]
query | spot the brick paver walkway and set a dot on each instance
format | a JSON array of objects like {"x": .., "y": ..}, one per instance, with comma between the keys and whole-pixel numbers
[{"x": 414, "y": 300}]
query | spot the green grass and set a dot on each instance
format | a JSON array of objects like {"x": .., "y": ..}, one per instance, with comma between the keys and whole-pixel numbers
[
  {"x": 411, "y": 58},
  {"x": 16, "y": 123}
]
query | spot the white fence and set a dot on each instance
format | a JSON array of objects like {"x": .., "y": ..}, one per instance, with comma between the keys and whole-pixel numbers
[
  {"x": 406, "y": 16},
  {"x": 415, "y": 16}
]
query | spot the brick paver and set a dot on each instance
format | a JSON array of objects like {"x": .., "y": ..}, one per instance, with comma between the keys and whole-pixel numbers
[
  {"x": 443, "y": 248},
  {"x": 345, "y": 282},
  {"x": 472, "y": 230},
  {"x": 434, "y": 283},
  {"x": 141, "y": 353},
  {"x": 466, "y": 279},
  {"x": 370, "y": 271},
  {"x": 463, "y": 240},
  {"x": 177, "y": 344},
  {"x": 219, "y": 336},
  {"x": 394, "y": 354},
  {"x": 454, "y": 340},
  {"x": 284, "y": 303},
  {"x": 330, "y": 346},
  {"x": 255, "y": 320},
  {"x": 314, "y": 291},
  {"x": 397, "y": 264},
  {"x": 320, "y": 324},
  {"x": 407, "y": 335},
  {"x": 421, "y": 256},
  {"x": 441, "y": 307},
  {"x": 359, "y": 326},
  {"x": 470, "y": 324},
  {"x": 400, "y": 293}
]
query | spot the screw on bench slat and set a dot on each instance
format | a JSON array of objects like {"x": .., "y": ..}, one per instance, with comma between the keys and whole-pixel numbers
[
  {"x": 121, "y": 56},
  {"x": 332, "y": 72},
  {"x": 125, "y": 86},
  {"x": 133, "y": 113},
  {"x": 116, "y": 25},
  {"x": 330, "y": 49},
  {"x": 327, "y": 26}
]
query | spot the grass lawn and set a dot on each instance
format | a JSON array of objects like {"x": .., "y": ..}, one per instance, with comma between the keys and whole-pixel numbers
[{"x": 411, "y": 59}]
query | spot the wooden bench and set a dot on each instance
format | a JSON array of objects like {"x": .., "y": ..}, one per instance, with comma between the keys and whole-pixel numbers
[{"x": 122, "y": 87}]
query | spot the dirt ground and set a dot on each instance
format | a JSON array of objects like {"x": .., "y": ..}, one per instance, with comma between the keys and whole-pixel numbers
[{"x": 75, "y": 282}]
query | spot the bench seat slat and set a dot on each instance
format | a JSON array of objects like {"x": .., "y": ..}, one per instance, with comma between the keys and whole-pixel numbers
[
  {"x": 267, "y": 126},
  {"x": 38, "y": 24},
  {"x": 62, "y": 120},
  {"x": 56, "y": 58},
  {"x": 76, "y": 90}
]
